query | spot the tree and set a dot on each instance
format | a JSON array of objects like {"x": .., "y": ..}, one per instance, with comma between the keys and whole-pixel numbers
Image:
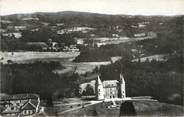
[{"x": 89, "y": 90}]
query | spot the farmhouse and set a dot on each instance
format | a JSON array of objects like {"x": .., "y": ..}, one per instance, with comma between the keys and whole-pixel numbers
[
  {"x": 140, "y": 35},
  {"x": 19, "y": 28},
  {"x": 13, "y": 35},
  {"x": 79, "y": 41},
  {"x": 20, "y": 104}
]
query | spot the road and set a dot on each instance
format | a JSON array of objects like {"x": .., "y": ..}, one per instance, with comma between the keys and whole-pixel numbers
[{"x": 83, "y": 106}]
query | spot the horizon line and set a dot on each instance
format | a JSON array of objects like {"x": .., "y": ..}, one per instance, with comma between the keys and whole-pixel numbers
[{"x": 22, "y": 13}]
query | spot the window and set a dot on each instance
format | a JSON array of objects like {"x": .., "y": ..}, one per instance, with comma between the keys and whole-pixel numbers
[
  {"x": 30, "y": 112},
  {"x": 27, "y": 111},
  {"x": 23, "y": 112},
  {"x": 12, "y": 108}
]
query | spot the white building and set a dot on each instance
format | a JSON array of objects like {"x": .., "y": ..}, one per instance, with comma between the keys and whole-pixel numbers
[{"x": 107, "y": 89}]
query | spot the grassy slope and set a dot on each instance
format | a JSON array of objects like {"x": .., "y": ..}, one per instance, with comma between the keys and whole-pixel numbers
[{"x": 142, "y": 108}]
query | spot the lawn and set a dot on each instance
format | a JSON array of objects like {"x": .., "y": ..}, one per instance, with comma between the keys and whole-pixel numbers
[{"x": 142, "y": 108}]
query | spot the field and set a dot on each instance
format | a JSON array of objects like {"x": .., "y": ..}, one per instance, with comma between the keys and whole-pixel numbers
[
  {"x": 65, "y": 58},
  {"x": 83, "y": 67},
  {"x": 142, "y": 108},
  {"x": 23, "y": 57}
]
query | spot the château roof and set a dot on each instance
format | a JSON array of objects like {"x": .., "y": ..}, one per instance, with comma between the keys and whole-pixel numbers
[
  {"x": 99, "y": 82},
  {"x": 110, "y": 83},
  {"x": 122, "y": 80}
]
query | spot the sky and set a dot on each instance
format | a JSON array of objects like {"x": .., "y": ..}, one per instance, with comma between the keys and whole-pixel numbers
[{"x": 130, "y": 7}]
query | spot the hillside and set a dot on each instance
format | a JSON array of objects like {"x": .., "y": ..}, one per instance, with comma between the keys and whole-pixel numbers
[
  {"x": 142, "y": 108},
  {"x": 83, "y": 17},
  {"x": 68, "y": 28}
]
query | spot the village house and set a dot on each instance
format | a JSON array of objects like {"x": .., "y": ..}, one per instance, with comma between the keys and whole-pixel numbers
[
  {"x": 19, "y": 28},
  {"x": 44, "y": 23},
  {"x": 140, "y": 35},
  {"x": 20, "y": 105},
  {"x": 115, "y": 36},
  {"x": 60, "y": 24},
  {"x": 35, "y": 29},
  {"x": 115, "y": 59},
  {"x": 60, "y": 32},
  {"x": 53, "y": 46},
  {"x": 142, "y": 24},
  {"x": 79, "y": 41},
  {"x": 13, "y": 35},
  {"x": 71, "y": 48}
]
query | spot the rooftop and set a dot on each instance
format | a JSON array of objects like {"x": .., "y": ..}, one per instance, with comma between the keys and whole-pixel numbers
[
  {"x": 110, "y": 83},
  {"x": 18, "y": 97}
]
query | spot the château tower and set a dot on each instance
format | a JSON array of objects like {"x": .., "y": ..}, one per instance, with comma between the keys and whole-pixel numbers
[
  {"x": 122, "y": 87},
  {"x": 99, "y": 89}
]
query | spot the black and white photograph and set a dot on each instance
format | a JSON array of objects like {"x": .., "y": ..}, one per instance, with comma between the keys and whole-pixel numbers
[{"x": 91, "y": 58}]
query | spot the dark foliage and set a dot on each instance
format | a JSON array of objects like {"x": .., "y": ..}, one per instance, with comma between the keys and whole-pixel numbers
[
  {"x": 161, "y": 80},
  {"x": 11, "y": 44},
  {"x": 37, "y": 78},
  {"x": 89, "y": 90},
  {"x": 103, "y": 53},
  {"x": 127, "y": 109}
]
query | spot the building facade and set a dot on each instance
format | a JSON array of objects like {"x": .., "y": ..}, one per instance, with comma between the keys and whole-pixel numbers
[
  {"x": 110, "y": 88},
  {"x": 107, "y": 89},
  {"x": 20, "y": 105}
]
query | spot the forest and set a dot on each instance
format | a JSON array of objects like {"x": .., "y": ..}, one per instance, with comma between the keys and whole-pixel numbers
[
  {"x": 161, "y": 80},
  {"x": 38, "y": 78}
]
